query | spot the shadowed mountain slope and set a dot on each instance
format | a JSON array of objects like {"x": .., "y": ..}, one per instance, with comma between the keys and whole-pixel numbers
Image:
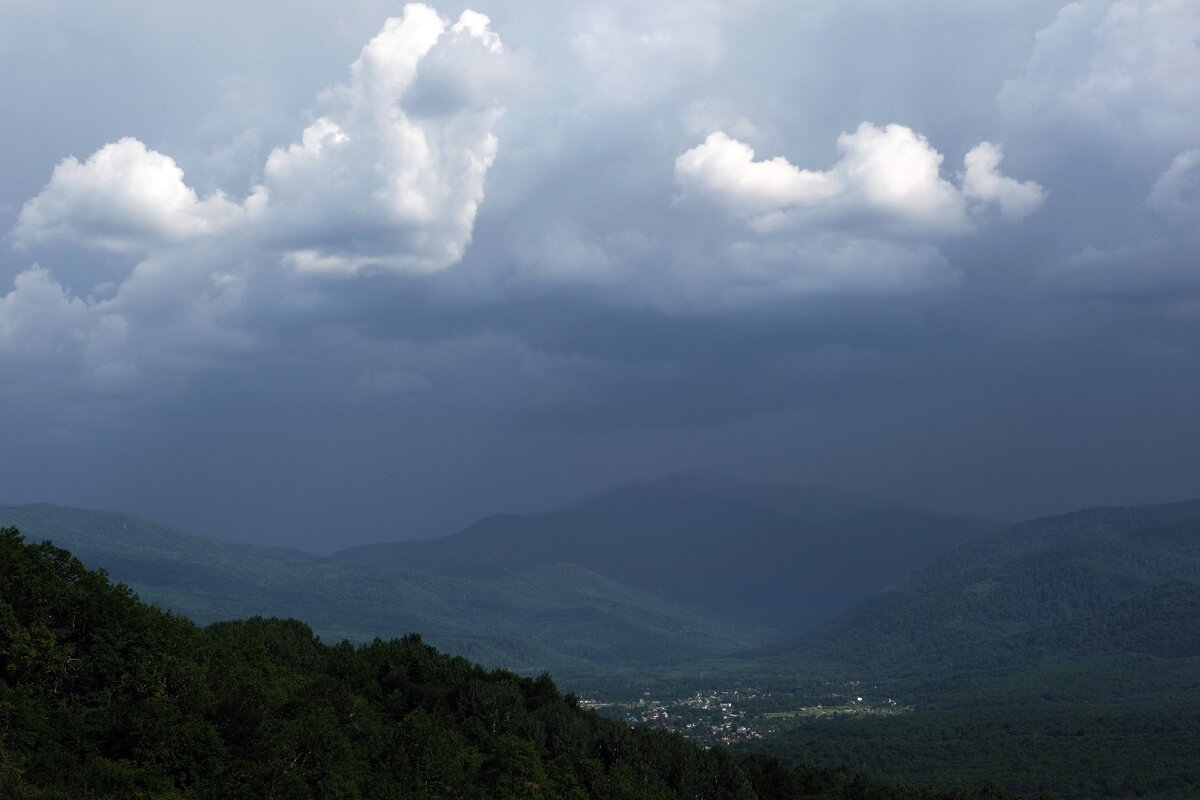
[
  {"x": 777, "y": 554},
  {"x": 549, "y": 616},
  {"x": 1099, "y": 580},
  {"x": 1061, "y": 655}
]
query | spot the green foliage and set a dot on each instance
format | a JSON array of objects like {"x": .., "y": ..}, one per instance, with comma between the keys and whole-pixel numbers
[
  {"x": 1062, "y": 587},
  {"x": 769, "y": 553},
  {"x": 1062, "y": 653},
  {"x": 1075, "y": 750},
  {"x": 102, "y": 696},
  {"x": 546, "y": 616}
]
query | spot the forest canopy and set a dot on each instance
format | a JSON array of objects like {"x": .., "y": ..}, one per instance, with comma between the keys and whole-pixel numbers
[{"x": 104, "y": 696}]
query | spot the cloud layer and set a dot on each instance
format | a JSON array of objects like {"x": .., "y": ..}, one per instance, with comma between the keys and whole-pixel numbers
[
  {"x": 587, "y": 240},
  {"x": 1127, "y": 69}
]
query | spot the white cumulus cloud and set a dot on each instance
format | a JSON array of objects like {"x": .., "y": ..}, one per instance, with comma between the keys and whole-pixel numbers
[
  {"x": 896, "y": 172},
  {"x": 724, "y": 169},
  {"x": 123, "y": 197},
  {"x": 390, "y": 176},
  {"x": 886, "y": 177},
  {"x": 983, "y": 183},
  {"x": 868, "y": 226}
]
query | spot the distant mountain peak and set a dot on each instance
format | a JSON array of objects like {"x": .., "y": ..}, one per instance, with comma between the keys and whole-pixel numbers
[
  {"x": 696, "y": 476},
  {"x": 767, "y": 552}
]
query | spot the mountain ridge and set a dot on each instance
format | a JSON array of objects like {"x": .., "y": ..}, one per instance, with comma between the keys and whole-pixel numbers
[
  {"x": 988, "y": 593},
  {"x": 516, "y": 620},
  {"x": 783, "y": 555}
]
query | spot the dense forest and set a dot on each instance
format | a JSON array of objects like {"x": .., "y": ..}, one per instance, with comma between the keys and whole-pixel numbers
[
  {"x": 549, "y": 617},
  {"x": 1062, "y": 653},
  {"x": 680, "y": 568},
  {"x": 104, "y": 696},
  {"x": 1081, "y": 750},
  {"x": 1079, "y": 584}
]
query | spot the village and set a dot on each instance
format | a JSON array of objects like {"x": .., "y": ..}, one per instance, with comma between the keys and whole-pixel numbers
[{"x": 738, "y": 716}]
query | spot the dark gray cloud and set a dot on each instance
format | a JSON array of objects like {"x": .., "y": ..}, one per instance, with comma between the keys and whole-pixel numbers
[{"x": 325, "y": 277}]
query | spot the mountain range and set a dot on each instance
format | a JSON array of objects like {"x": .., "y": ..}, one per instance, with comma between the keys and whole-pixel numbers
[
  {"x": 1057, "y": 586},
  {"x": 1060, "y": 654},
  {"x": 105, "y": 697},
  {"x": 688, "y": 566},
  {"x": 770, "y": 553}
]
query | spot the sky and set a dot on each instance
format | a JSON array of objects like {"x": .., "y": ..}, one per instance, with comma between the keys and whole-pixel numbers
[{"x": 350, "y": 272}]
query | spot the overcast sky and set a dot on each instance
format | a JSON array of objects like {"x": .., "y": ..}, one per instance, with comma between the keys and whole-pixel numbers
[{"x": 331, "y": 273}]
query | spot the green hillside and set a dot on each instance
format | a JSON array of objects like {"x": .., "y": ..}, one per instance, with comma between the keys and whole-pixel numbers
[
  {"x": 768, "y": 553},
  {"x": 102, "y": 696},
  {"x": 973, "y": 607},
  {"x": 1163, "y": 621},
  {"x": 1061, "y": 654},
  {"x": 553, "y": 616},
  {"x": 1080, "y": 751}
]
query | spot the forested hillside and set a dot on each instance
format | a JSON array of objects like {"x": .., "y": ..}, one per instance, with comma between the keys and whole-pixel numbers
[
  {"x": 102, "y": 696},
  {"x": 1062, "y": 654},
  {"x": 552, "y": 616},
  {"x": 1057, "y": 587},
  {"x": 690, "y": 566},
  {"x": 766, "y": 553}
]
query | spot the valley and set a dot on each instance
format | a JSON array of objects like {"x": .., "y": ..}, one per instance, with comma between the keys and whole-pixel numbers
[
  {"x": 1009, "y": 658},
  {"x": 689, "y": 566},
  {"x": 746, "y": 715},
  {"x": 752, "y": 400}
]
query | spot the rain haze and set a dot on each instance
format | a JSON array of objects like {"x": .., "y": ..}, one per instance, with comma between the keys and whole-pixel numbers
[{"x": 368, "y": 271}]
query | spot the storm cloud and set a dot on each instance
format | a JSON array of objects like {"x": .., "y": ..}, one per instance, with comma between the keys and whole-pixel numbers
[{"x": 367, "y": 272}]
